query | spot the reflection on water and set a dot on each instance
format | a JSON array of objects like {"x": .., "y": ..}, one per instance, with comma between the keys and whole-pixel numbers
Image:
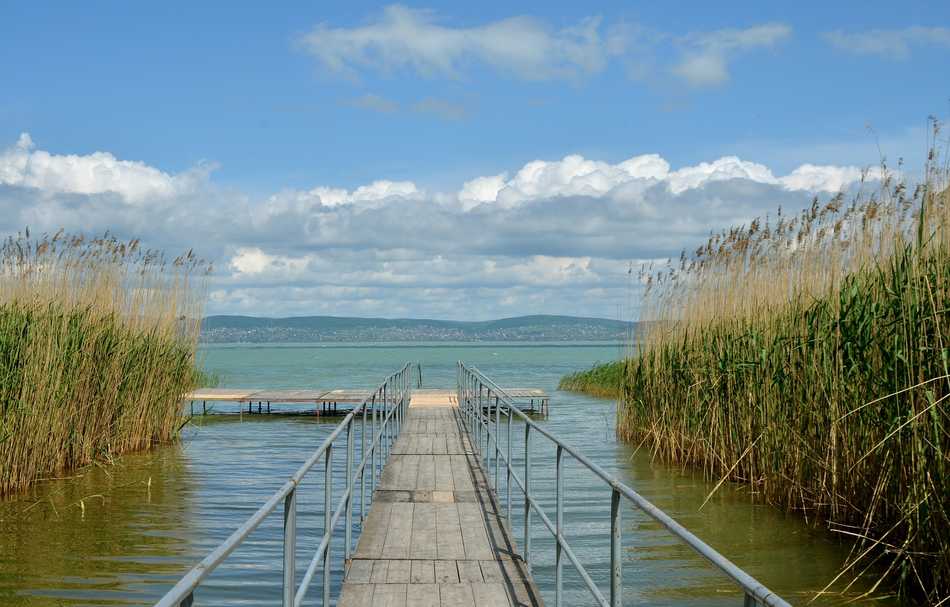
[{"x": 122, "y": 534}]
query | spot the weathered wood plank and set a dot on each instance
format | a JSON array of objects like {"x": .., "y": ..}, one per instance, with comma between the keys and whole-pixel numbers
[
  {"x": 422, "y": 572},
  {"x": 424, "y": 543},
  {"x": 456, "y": 595},
  {"x": 390, "y": 595},
  {"x": 446, "y": 572},
  {"x": 399, "y": 534},
  {"x": 490, "y": 594},
  {"x": 422, "y": 595},
  {"x": 448, "y": 532},
  {"x": 469, "y": 571},
  {"x": 356, "y": 595}
]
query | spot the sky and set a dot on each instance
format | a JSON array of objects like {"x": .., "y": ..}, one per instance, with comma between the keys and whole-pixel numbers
[{"x": 443, "y": 160}]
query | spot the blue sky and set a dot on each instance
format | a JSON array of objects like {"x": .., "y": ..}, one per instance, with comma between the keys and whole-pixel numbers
[{"x": 248, "y": 103}]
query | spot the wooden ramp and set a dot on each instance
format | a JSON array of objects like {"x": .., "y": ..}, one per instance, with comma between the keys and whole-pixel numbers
[{"x": 435, "y": 536}]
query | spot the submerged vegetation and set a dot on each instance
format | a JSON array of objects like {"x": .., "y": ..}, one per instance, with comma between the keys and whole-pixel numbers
[
  {"x": 602, "y": 380},
  {"x": 809, "y": 357},
  {"x": 97, "y": 345}
]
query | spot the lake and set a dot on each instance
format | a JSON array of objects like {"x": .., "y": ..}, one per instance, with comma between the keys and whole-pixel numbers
[{"x": 121, "y": 533}]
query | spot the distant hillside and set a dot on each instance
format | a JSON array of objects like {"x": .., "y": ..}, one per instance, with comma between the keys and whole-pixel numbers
[{"x": 223, "y": 329}]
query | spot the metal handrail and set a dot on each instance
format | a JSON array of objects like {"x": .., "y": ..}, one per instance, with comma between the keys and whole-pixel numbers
[
  {"x": 480, "y": 397},
  {"x": 393, "y": 396}
]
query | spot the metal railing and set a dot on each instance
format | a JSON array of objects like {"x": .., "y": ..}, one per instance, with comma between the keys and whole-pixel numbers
[
  {"x": 384, "y": 411},
  {"x": 483, "y": 404}
]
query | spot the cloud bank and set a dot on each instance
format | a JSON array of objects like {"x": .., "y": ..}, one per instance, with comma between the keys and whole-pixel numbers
[{"x": 554, "y": 236}]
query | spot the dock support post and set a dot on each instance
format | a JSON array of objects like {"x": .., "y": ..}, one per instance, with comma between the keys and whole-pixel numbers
[
  {"x": 204, "y": 407},
  {"x": 192, "y": 408}
]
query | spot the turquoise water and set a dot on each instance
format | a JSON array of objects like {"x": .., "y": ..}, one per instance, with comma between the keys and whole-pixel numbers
[{"x": 121, "y": 534}]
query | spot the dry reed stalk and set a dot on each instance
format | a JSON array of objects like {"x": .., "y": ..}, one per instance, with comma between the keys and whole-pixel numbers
[
  {"x": 811, "y": 354},
  {"x": 97, "y": 345}
]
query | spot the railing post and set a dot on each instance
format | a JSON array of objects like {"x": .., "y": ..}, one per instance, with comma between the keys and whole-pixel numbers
[
  {"x": 349, "y": 493},
  {"x": 616, "y": 563},
  {"x": 327, "y": 507},
  {"x": 558, "y": 522},
  {"x": 497, "y": 446},
  {"x": 748, "y": 601},
  {"x": 508, "y": 484},
  {"x": 290, "y": 547},
  {"x": 527, "y": 496},
  {"x": 363, "y": 463},
  {"x": 385, "y": 439},
  {"x": 373, "y": 446}
]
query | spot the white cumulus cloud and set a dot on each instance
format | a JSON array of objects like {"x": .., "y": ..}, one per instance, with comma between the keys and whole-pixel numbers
[{"x": 97, "y": 173}]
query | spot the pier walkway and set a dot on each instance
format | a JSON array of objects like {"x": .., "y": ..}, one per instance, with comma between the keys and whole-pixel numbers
[
  {"x": 435, "y": 535},
  {"x": 433, "y": 532}
]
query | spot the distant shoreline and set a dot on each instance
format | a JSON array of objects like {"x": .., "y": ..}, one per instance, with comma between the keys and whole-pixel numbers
[{"x": 342, "y": 330}]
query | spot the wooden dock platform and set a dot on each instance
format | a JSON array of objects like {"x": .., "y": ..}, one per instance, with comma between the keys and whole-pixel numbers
[
  {"x": 328, "y": 402},
  {"x": 435, "y": 535}
]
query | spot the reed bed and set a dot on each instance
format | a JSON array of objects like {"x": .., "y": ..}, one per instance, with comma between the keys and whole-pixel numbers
[
  {"x": 603, "y": 380},
  {"x": 808, "y": 356},
  {"x": 97, "y": 345}
]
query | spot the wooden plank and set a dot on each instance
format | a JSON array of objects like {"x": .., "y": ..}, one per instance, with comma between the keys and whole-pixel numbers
[
  {"x": 398, "y": 572},
  {"x": 469, "y": 571},
  {"x": 356, "y": 595},
  {"x": 490, "y": 595},
  {"x": 456, "y": 595},
  {"x": 399, "y": 534},
  {"x": 444, "y": 479},
  {"x": 422, "y": 595},
  {"x": 423, "y": 544},
  {"x": 425, "y": 481},
  {"x": 360, "y": 572},
  {"x": 380, "y": 572},
  {"x": 473, "y": 532},
  {"x": 448, "y": 532},
  {"x": 422, "y": 572},
  {"x": 461, "y": 476},
  {"x": 390, "y": 595},
  {"x": 446, "y": 572},
  {"x": 373, "y": 537}
]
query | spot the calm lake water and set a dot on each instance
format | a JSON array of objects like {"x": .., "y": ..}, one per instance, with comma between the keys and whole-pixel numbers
[{"x": 122, "y": 534}]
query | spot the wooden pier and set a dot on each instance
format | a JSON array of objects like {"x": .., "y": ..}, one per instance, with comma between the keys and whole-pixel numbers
[
  {"x": 328, "y": 402},
  {"x": 435, "y": 536}
]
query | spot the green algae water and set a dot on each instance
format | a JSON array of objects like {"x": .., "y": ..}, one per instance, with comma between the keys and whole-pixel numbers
[{"x": 122, "y": 533}]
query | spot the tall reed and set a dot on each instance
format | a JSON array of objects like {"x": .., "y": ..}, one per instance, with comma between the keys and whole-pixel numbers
[
  {"x": 97, "y": 345},
  {"x": 807, "y": 356}
]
